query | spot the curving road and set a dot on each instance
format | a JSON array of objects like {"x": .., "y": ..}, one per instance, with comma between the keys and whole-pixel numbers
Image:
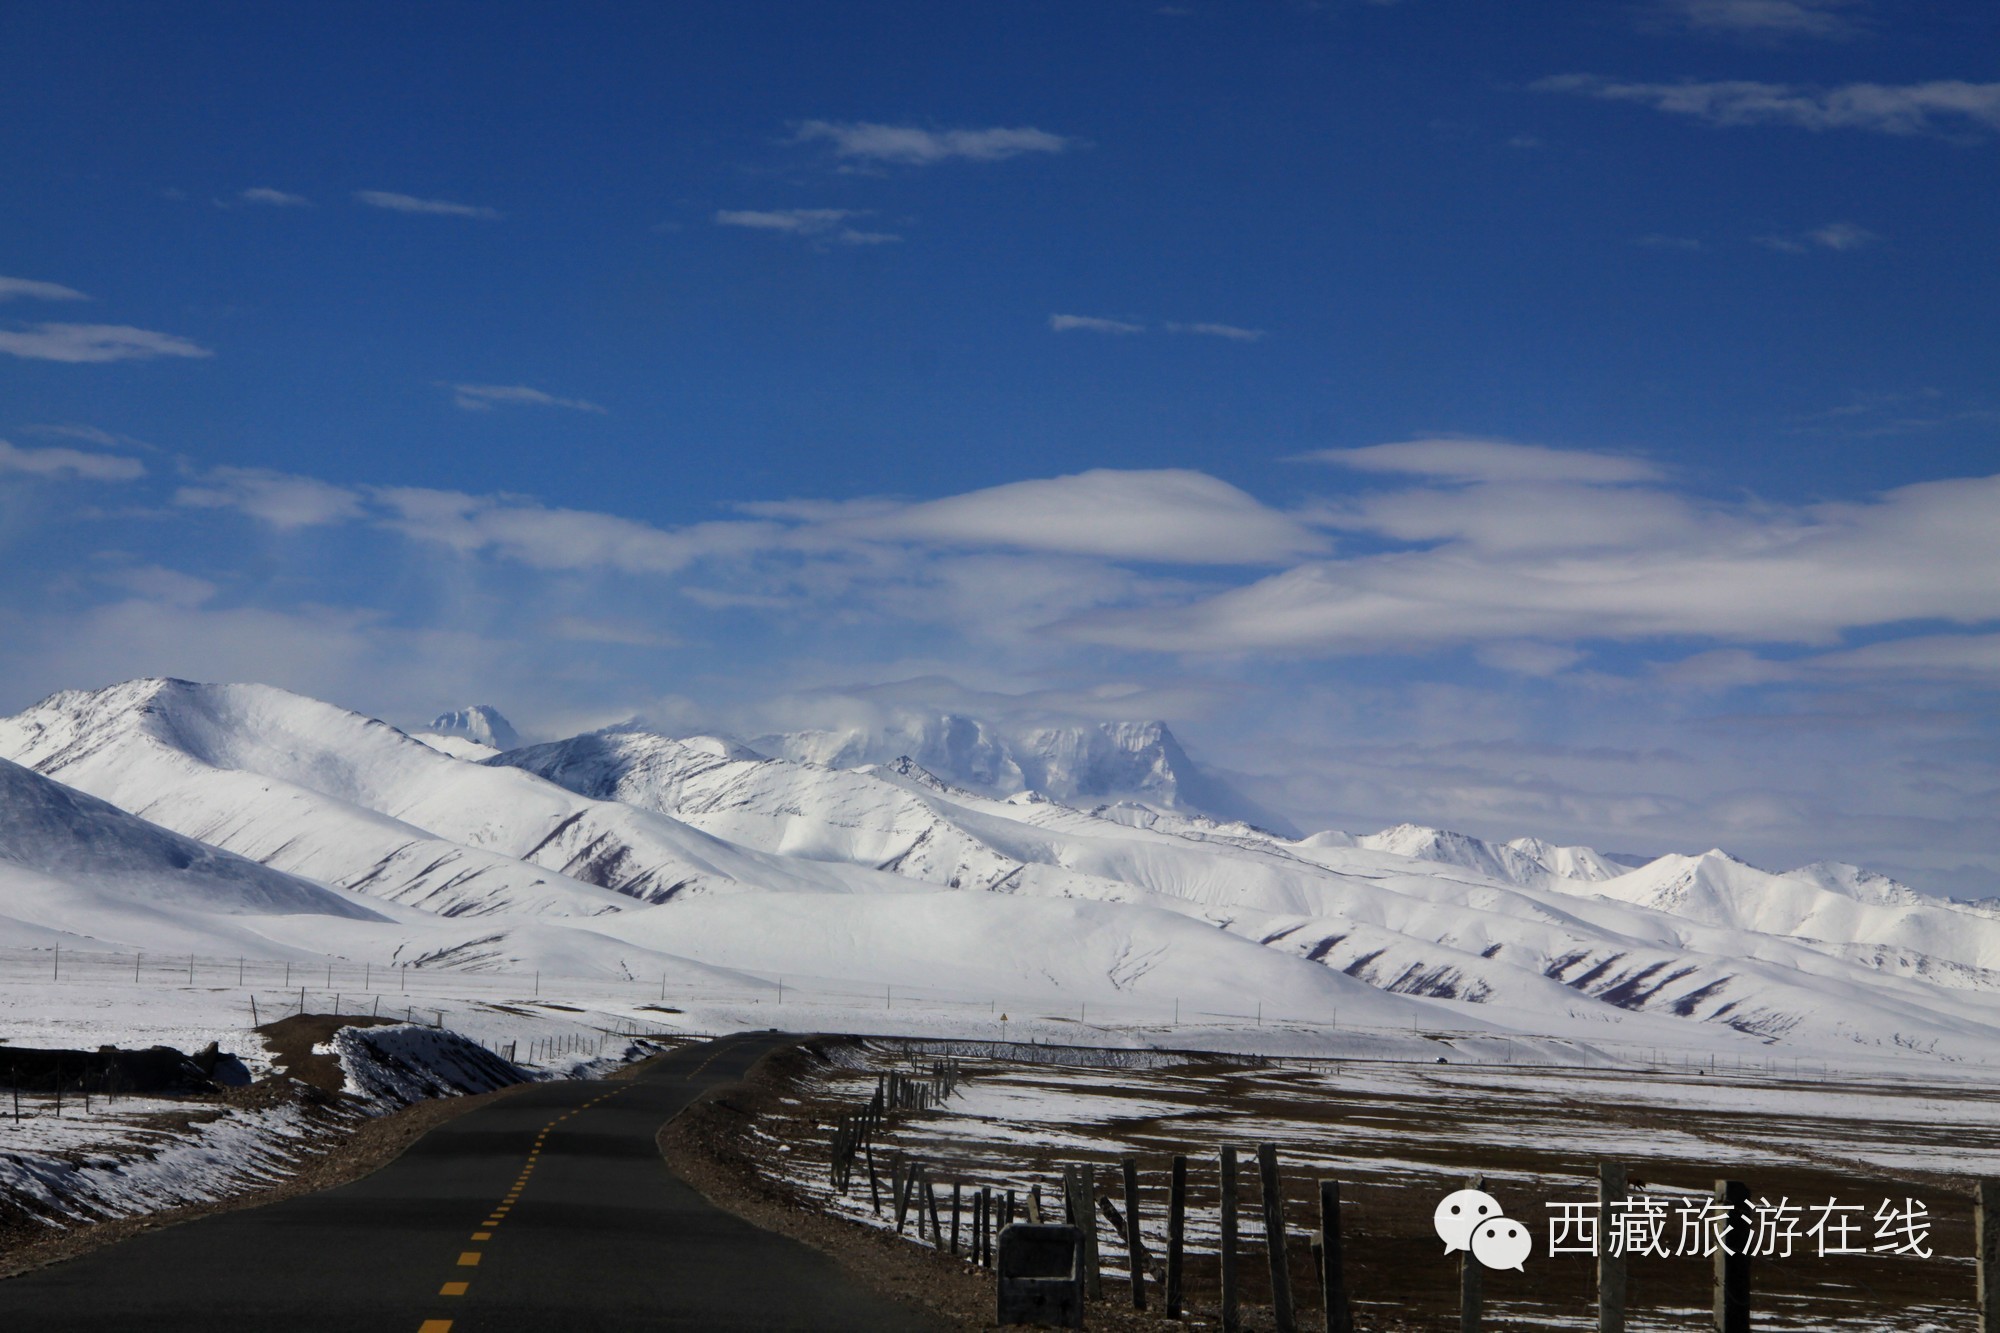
[{"x": 546, "y": 1210}]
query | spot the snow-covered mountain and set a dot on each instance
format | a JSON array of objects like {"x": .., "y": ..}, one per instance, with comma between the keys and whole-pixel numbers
[
  {"x": 626, "y": 849},
  {"x": 481, "y": 724},
  {"x": 68, "y": 860},
  {"x": 334, "y": 796},
  {"x": 1518, "y": 861},
  {"x": 1136, "y": 762}
]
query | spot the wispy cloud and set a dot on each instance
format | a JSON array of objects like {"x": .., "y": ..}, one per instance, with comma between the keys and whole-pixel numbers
[
  {"x": 813, "y": 224},
  {"x": 486, "y": 397},
  {"x": 29, "y": 289},
  {"x": 1092, "y": 324},
  {"x": 1099, "y": 324},
  {"x": 1938, "y": 107},
  {"x": 914, "y": 146},
  {"x": 264, "y": 194},
  {"x": 1170, "y": 516},
  {"x": 547, "y": 538},
  {"x": 1230, "y": 331},
  {"x": 1839, "y": 236},
  {"x": 79, "y": 343},
  {"x": 409, "y": 203},
  {"x": 1503, "y": 554},
  {"x": 88, "y": 434},
  {"x": 59, "y": 462},
  {"x": 1767, "y": 18},
  {"x": 1467, "y": 458},
  {"x": 281, "y": 499}
]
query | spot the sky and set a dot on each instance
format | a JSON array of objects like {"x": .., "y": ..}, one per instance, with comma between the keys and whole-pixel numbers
[{"x": 1569, "y": 420}]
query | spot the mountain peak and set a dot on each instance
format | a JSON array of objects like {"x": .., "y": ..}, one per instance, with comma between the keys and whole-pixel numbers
[
  {"x": 1077, "y": 763},
  {"x": 481, "y": 723}
]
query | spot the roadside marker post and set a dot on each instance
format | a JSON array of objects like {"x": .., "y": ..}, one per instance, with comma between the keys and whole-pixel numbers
[
  {"x": 1732, "y": 1260},
  {"x": 1232, "y": 1317},
  {"x": 1332, "y": 1280},
  {"x": 1986, "y": 1245},
  {"x": 1610, "y": 1266},
  {"x": 1274, "y": 1238}
]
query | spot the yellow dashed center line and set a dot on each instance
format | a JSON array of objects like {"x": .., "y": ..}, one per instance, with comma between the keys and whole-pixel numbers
[{"x": 470, "y": 1258}]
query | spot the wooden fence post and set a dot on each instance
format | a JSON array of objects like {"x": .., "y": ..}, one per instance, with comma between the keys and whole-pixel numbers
[
  {"x": 1084, "y": 1216},
  {"x": 1135, "y": 1241},
  {"x": 1274, "y": 1238},
  {"x": 1332, "y": 1282},
  {"x": 1232, "y": 1318},
  {"x": 957, "y": 1189},
  {"x": 1176, "y": 1235},
  {"x": 1986, "y": 1232},
  {"x": 1610, "y": 1267},
  {"x": 1732, "y": 1271},
  {"x": 1471, "y": 1281}
]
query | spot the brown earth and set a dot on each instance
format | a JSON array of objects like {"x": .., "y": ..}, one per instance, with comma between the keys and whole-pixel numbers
[{"x": 291, "y": 1041}]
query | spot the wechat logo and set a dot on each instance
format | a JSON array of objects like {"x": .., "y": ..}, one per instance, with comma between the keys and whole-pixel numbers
[{"x": 1471, "y": 1220}]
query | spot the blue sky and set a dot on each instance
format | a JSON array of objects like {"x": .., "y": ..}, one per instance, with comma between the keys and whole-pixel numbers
[{"x": 1577, "y": 420}]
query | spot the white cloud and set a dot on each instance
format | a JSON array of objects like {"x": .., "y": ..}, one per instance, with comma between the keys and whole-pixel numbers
[
  {"x": 1938, "y": 106},
  {"x": 1931, "y": 656},
  {"x": 1839, "y": 236},
  {"x": 910, "y": 145},
  {"x": 1767, "y": 18},
  {"x": 486, "y": 397},
  {"x": 547, "y": 538},
  {"x": 1092, "y": 324},
  {"x": 1842, "y": 236},
  {"x": 1166, "y": 516},
  {"x": 1508, "y": 561},
  {"x": 264, "y": 194},
  {"x": 802, "y": 221},
  {"x": 1528, "y": 658},
  {"x": 1472, "y": 459},
  {"x": 1229, "y": 331},
  {"x": 60, "y": 462},
  {"x": 12, "y": 288},
  {"x": 818, "y": 224},
  {"x": 80, "y": 343},
  {"x": 409, "y": 203},
  {"x": 157, "y": 583},
  {"x": 280, "y": 499}
]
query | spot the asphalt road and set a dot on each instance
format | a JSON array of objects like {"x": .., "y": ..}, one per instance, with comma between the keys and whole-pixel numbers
[{"x": 547, "y": 1210}]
